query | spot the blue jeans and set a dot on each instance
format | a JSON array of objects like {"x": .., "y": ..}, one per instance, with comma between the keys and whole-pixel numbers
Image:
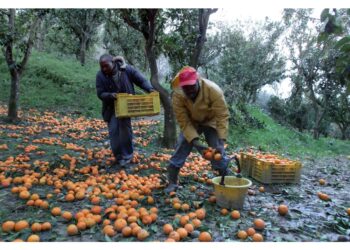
[
  {"x": 184, "y": 148},
  {"x": 120, "y": 137}
]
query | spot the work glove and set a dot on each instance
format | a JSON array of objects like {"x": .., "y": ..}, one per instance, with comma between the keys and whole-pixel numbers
[
  {"x": 199, "y": 146},
  {"x": 221, "y": 146},
  {"x": 113, "y": 95}
]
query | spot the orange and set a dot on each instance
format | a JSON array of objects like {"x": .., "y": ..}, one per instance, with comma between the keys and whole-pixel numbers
[
  {"x": 169, "y": 240},
  {"x": 200, "y": 213},
  {"x": 196, "y": 223},
  {"x": 250, "y": 231},
  {"x": 177, "y": 205},
  {"x": 242, "y": 234},
  {"x": 182, "y": 232},
  {"x": 208, "y": 155},
  {"x": 119, "y": 224},
  {"x": 189, "y": 228},
  {"x": 323, "y": 196},
  {"x": 258, "y": 237},
  {"x": 167, "y": 228},
  {"x": 20, "y": 225},
  {"x": 184, "y": 220},
  {"x": 217, "y": 157},
  {"x": 33, "y": 238},
  {"x": 142, "y": 234},
  {"x": 69, "y": 197},
  {"x": 259, "y": 224},
  {"x": 348, "y": 211},
  {"x": 34, "y": 197},
  {"x": 108, "y": 230},
  {"x": 322, "y": 182},
  {"x": 136, "y": 230},
  {"x": 146, "y": 219},
  {"x": 56, "y": 211},
  {"x": 72, "y": 229},
  {"x": 46, "y": 226},
  {"x": 282, "y": 210},
  {"x": 8, "y": 226},
  {"x": 67, "y": 215},
  {"x": 96, "y": 209},
  {"x": 24, "y": 195},
  {"x": 212, "y": 199},
  {"x": 185, "y": 207},
  {"x": 150, "y": 200},
  {"x": 36, "y": 227},
  {"x": 204, "y": 237},
  {"x": 95, "y": 200},
  {"x": 81, "y": 225},
  {"x": 127, "y": 231},
  {"x": 235, "y": 214},
  {"x": 174, "y": 235},
  {"x": 261, "y": 189},
  {"x": 224, "y": 211}
]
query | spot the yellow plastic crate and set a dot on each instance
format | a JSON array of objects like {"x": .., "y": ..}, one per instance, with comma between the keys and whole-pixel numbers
[
  {"x": 247, "y": 161},
  {"x": 270, "y": 173},
  {"x": 128, "y": 105}
]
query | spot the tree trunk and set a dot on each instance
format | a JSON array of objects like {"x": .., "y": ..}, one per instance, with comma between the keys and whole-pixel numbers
[
  {"x": 82, "y": 51},
  {"x": 169, "y": 133},
  {"x": 318, "y": 119},
  {"x": 14, "y": 93},
  {"x": 203, "y": 20}
]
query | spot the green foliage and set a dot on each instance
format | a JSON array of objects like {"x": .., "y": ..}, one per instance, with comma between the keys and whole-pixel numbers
[
  {"x": 277, "y": 138},
  {"x": 55, "y": 83}
]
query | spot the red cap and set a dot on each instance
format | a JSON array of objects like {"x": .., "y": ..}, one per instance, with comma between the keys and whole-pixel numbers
[{"x": 188, "y": 76}]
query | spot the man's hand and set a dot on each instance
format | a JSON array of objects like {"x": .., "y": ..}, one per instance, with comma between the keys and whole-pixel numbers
[
  {"x": 199, "y": 146},
  {"x": 114, "y": 95},
  {"x": 221, "y": 146}
]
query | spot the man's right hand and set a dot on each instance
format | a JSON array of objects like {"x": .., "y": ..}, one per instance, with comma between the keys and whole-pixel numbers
[
  {"x": 114, "y": 95},
  {"x": 199, "y": 146}
]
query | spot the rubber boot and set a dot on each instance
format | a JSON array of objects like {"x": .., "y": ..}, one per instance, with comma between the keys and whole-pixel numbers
[{"x": 173, "y": 173}]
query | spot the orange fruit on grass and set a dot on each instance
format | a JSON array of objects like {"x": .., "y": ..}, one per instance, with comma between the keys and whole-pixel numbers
[
  {"x": 24, "y": 195},
  {"x": 250, "y": 231},
  {"x": 242, "y": 234},
  {"x": 72, "y": 229},
  {"x": 119, "y": 224},
  {"x": 109, "y": 230},
  {"x": 189, "y": 228},
  {"x": 167, "y": 228},
  {"x": 142, "y": 234},
  {"x": 323, "y": 196},
  {"x": 46, "y": 226},
  {"x": 33, "y": 238},
  {"x": 20, "y": 225},
  {"x": 36, "y": 227},
  {"x": 146, "y": 219},
  {"x": 257, "y": 237},
  {"x": 67, "y": 215},
  {"x": 200, "y": 213},
  {"x": 184, "y": 220},
  {"x": 224, "y": 211},
  {"x": 204, "y": 237},
  {"x": 182, "y": 232},
  {"x": 8, "y": 226},
  {"x": 283, "y": 209},
  {"x": 56, "y": 211},
  {"x": 81, "y": 225},
  {"x": 235, "y": 214},
  {"x": 322, "y": 182},
  {"x": 174, "y": 235},
  {"x": 196, "y": 223},
  {"x": 348, "y": 211},
  {"x": 259, "y": 224},
  {"x": 261, "y": 189},
  {"x": 127, "y": 231}
]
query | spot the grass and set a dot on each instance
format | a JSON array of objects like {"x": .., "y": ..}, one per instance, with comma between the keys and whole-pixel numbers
[
  {"x": 285, "y": 141},
  {"x": 53, "y": 83}
]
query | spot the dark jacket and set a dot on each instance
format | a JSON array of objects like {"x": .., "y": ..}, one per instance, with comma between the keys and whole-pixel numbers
[{"x": 123, "y": 83}]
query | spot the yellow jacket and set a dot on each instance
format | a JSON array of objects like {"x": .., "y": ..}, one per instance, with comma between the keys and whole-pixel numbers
[{"x": 209, "y": 109}]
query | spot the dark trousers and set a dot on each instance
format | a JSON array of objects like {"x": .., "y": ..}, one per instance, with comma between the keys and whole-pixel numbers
[
  {"x": 184, "y": 148},
  {"x": 120, "y": 137}
]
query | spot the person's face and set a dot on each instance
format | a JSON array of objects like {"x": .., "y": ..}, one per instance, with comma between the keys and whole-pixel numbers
[
  {"x": 191, "y": 91},
  {"x": 106, "y": 67}
]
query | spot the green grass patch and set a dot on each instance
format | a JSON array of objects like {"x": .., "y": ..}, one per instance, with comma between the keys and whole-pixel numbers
[{"x": 285, "y": 141}]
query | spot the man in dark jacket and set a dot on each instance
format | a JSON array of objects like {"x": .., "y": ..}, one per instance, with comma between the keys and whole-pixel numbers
[{"x": 115, "y": 77}]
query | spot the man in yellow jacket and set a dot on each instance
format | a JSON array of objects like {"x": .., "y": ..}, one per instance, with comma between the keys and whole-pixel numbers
[{"x": 200, "y": 107}]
